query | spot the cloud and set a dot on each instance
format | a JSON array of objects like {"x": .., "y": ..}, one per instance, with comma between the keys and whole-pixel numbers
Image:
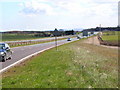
[
  {"x": 35, "y": 8},
  {"x": 89, "y": 12},
  {"x": 67, "y": 7},
  {"x": 119, "y": 14}
]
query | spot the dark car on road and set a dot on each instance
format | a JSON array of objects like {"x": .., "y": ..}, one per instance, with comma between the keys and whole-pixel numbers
[
  {"x": 78, "y": 37},
  {"x": 69, "y": 39},
  {"x": 5, "y": 52}
]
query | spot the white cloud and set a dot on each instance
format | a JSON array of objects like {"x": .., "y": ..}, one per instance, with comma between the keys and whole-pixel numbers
[
  {"x": 87, "y": 11},
  {"x": 35, "y": 8},
  {"x": 119, "y": 14},
  {"x": 66, "y": 7}
]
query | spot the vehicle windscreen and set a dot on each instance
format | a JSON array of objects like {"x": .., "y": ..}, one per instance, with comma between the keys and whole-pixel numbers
[{"x": 1, "y": 46}]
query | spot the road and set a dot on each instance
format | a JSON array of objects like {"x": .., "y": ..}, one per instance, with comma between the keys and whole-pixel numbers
[{"x": 24, "y": 51}]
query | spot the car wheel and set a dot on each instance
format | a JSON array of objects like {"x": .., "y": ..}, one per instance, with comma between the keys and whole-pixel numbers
[
  {"x": 3, "y": 59},
  {"x": 10, "y": 58}
]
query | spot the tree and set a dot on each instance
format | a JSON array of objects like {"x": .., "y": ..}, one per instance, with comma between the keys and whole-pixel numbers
[{"x": 56, "y": 32}]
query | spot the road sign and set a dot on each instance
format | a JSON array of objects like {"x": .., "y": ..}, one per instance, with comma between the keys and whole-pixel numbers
[{"x": 56, "y": 33}]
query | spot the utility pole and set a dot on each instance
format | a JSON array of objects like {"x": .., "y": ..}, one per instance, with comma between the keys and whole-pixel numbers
[
  {"x": 56, "y": 42},
  {"x": 56, "y": 32},
  {"x": 100, "y": 29}
]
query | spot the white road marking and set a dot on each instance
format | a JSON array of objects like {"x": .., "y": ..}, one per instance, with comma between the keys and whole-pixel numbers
[
  {"x": 23, "y": 59},
  {"x": 6, "y": 68}
]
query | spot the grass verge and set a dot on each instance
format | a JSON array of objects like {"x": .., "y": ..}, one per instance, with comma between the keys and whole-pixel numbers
[
  {"x": 74, "y": 65},
  {"x": 111, "y": 36},
  {"x": 15, "y": 37}
]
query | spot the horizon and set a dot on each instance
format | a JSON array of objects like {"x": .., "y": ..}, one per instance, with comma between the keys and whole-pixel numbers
[
  {"x": 39, "y": 30},
  {"x": 43, "y": 15},
  {"x": 77, "y": 29}
]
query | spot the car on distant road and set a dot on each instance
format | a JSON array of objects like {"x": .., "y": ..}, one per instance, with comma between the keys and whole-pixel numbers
[
  {"x": 78, "y": 37},
  {"x": 5, "y": 52},
  {"x": 69, "y": 39}
]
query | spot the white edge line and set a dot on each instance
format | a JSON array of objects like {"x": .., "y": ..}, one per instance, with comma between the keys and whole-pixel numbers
[{"x": 23, "y": 59}]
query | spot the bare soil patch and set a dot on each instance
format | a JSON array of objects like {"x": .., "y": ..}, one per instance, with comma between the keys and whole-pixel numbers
[{"x": 95, "y": 41}]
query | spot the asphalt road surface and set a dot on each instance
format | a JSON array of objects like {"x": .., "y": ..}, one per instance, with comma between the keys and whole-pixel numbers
[{"x": 23, "y": 51}]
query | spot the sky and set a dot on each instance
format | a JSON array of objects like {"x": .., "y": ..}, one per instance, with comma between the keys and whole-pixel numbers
[
  {"x": 26, "y": 15},
  {"x": 119, "y": 13}
]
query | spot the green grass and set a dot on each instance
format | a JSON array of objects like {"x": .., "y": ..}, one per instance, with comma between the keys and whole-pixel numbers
[
  {"x": 111, "y": 32},
  {"x": 74, "y": 65},
  {"x": 111, "y": 36},
  {"x": 14, "y": 37}
]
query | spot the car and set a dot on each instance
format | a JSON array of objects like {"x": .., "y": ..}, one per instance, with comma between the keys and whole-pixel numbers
[
  {"x": 5, "y": 52},
  {"x": 78, "y": 37},
  {"x": 69, "y": 39}
]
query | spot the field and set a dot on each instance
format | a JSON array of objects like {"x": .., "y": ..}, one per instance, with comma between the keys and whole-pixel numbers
[
  {"x": 111, "y": 36},
  {"x": 14, "y": 37},
  {"x": 74, "y": 65}
]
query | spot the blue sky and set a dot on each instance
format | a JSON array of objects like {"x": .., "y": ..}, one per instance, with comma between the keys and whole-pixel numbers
[{"x": 61, "y": 14}]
